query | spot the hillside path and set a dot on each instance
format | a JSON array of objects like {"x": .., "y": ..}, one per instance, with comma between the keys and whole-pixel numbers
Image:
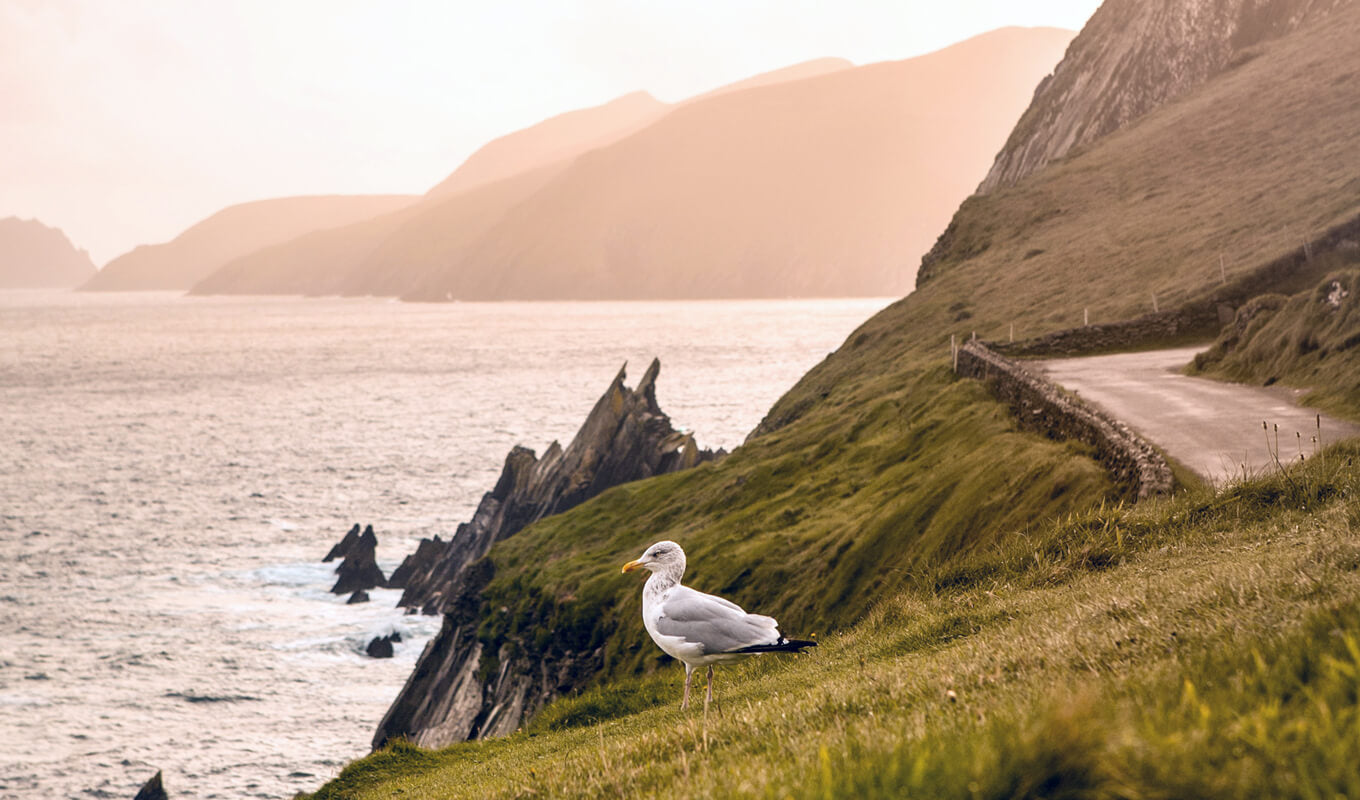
[{"x": 1214, "y": 428}]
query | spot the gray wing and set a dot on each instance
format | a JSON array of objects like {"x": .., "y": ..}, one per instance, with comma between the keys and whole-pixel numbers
[{"x": 719, "y": 625}]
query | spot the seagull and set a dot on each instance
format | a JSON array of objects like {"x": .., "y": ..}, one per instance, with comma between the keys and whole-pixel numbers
[{"x": 698, "y": 629}]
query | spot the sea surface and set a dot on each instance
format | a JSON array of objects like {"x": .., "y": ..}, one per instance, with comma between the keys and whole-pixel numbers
[{"x": 173, "y": 469}]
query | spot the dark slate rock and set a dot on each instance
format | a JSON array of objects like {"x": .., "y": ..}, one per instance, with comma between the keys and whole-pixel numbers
[
  {"x": 342, "y": 547},
  {"x": 419, "y": 562},
  {"x": 360, "y": 569},
  {"x": 358, "y": 597},
  {"x": 380, "y": 647},
  {"x": 152, "y": 789}
]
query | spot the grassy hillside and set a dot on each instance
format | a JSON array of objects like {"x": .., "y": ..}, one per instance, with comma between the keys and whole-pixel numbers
[
  {"x": 863, "y": 503},
  {"x": 1310, "y": 340},
  {"x": 1207, "y": 646}
]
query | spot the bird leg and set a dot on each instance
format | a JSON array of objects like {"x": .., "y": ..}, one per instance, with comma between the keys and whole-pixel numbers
[
  {"x": 689, "y": 673},
  {"x": 708, "y": 698}
]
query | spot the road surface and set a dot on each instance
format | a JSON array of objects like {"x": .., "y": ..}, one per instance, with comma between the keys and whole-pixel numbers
[{"x": 1213, "y": 428}]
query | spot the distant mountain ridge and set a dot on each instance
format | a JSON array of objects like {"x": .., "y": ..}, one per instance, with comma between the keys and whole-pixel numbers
[
  {"x": 552, "y": 140},
  {"x": 821, "y": 179},
  {"x": 231, "y": 233},
  {"x": 1132, "y": 57},
  {"x": 34, "y": 256}
]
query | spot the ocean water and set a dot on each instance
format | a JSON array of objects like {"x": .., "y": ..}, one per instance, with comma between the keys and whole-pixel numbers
[{"x": 172, "y": 470}]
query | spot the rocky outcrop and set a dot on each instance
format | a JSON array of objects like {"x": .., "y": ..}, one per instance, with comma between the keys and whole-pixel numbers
[
  {"x": 360, "y": 596},
  {"x": 458, "y": 691},
  {"x": 152, "y": 789},
  {"x": 1041, "y": 406},
  {"x": 381, "y": 646},
  {"x": 347, "y": 543},
  {"x": 626, "y": 437},
  {"x": 359, "y": 570},
  {"x": 422, "y": 560},
  {"x": 1132, "y": 57},
  {"x": 34, "y": 256}
]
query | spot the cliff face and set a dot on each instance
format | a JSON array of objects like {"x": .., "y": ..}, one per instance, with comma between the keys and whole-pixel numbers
[
  {"x": 457, "y": 690},
  {"x": 1132, "y": 57},
  {"x": 34, "y": 256}
]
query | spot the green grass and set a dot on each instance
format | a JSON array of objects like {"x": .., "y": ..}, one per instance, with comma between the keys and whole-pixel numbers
[
  {"x": 1302, "y": 341},
  {"x": 1203, "y": 646},
  {"x": 862, "y": 502}
]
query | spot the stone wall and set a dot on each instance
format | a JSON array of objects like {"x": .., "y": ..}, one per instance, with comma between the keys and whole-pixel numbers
[{"x": 1041, "y": 406}]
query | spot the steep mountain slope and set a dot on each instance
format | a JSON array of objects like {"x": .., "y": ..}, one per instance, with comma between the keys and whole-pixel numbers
[
  {"x": 231, "y": 233},
  {"x": 552, "y": 140},
  {"x": 822, "y": 186},
  {"x": 34, "y": 256},
  {"x": 1186, "y": 204},
  {"x": 1134, "y": 57}
]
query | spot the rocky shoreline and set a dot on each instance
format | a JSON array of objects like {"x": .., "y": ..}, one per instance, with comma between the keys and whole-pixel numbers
[{"x": 449, "y": 697}]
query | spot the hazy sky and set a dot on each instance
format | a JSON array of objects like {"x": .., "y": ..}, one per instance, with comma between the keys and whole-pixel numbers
[{"x": 126, "y": 121}]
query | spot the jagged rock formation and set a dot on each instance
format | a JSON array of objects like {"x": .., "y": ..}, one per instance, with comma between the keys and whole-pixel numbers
[
  {"x": 360, "y": 596},
  {"x": 152, "y": 789},
  {"x": 447, "y": 698},
  {"x": 34, "y": 256},
  {"x": 347, "y": 543},
  {"x": 359, "y": 570},
  {"x": 625, "y": 438},
  {"x": 1132, "y": 57},
  {"x": 426, "y": 552}
]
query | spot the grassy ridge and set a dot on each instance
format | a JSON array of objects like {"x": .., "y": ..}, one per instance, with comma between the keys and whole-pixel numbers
[
  {"x": 1204, "y": 646},
  {"x": 863, "y": 503},
  {"x": 1309, "y": 340}
]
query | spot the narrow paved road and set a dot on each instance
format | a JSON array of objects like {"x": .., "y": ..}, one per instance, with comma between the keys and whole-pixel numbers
[{"x": 1211, "y": 427}]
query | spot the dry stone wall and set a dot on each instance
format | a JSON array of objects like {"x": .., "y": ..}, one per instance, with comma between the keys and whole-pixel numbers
[{"x": 1041, "y": 406}]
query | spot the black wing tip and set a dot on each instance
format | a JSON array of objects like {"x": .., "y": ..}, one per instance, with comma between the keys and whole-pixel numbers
[{"x": 781, "y": 646}]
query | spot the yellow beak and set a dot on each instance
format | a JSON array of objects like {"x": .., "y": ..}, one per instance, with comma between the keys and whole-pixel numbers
[{"x": 631, "y": 565}]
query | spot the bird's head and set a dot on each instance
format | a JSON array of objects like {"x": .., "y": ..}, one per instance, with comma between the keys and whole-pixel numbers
[{"x": 661, "y": 556}]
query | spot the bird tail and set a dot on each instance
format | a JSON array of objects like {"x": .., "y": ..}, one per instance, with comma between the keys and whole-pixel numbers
[{"x": 781, "y": 646}]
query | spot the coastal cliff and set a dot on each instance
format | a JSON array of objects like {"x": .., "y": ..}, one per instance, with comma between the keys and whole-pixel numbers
[
  {"x": 1132, "y": 57},
  {"x": 457, "y": 690},
  {"x": 34, "y": 256}
]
